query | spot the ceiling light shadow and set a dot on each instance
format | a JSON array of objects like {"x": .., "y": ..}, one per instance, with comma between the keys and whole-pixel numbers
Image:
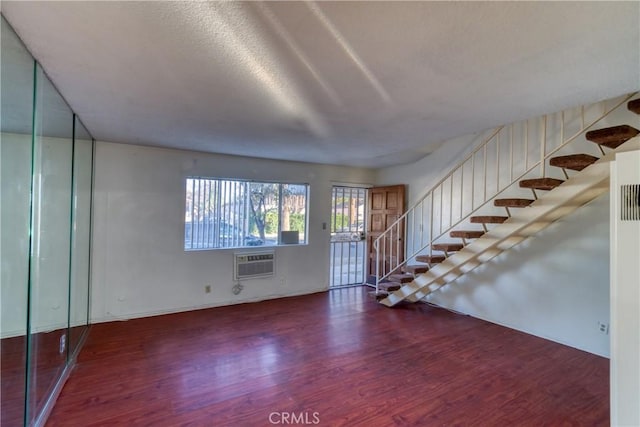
[
  {"x": 227, "y": 26},
  {"x": 291, "y": 44},
  {"x": 326, "y": 22}
]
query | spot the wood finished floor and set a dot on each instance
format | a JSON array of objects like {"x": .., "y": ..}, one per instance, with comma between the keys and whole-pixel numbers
[
  {"x": 338, "y": 354},
  {"x": 47, "y": 364}
]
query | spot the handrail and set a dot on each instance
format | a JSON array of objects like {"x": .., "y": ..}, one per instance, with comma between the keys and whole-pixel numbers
[{"x": 394, "y": 260}]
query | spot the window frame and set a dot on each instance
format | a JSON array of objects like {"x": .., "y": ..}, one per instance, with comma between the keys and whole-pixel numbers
[{"x": 303, "y": 241}]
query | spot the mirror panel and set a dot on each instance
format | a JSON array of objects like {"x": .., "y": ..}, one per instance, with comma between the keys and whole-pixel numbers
[
  {"x": 46, "y": 161},
  {"x": 16, "y": 71},
  {"x": 51, "y": 231},
  {"x": 81, "y": 235}
]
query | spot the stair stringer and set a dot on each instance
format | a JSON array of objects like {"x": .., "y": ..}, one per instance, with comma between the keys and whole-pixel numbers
[{"x": 576, "y": 191}]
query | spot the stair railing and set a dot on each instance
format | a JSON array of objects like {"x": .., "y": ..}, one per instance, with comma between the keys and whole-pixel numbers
[{"x": 408, "y": 237}]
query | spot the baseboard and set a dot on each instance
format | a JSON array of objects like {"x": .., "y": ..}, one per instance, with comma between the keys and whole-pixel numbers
[{"x": 151, "y": 313}]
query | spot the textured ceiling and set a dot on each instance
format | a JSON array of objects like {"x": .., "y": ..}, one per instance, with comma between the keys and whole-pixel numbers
[{"x": 355, "y": 83}]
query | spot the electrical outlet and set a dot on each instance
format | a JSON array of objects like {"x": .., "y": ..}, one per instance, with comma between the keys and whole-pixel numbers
[
  {"x": 207, "y": 289},
  {"x": 603, "y": 327},
  {"x": 237, "y": 288}
]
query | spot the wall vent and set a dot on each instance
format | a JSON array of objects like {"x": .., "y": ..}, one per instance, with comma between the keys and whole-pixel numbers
[
  {"x": 630, "y": 202},
  {"x": 253, "y": 265}
]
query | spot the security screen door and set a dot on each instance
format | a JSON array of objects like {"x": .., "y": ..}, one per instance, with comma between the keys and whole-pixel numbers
[{"x": 348, "y": 241}]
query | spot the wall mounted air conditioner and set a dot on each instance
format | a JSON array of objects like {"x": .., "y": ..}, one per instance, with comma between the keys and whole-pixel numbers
[{"x": 253, "y": 265}]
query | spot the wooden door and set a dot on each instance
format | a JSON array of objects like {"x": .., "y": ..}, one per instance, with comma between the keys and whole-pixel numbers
[{"x": 386, "y": 205}]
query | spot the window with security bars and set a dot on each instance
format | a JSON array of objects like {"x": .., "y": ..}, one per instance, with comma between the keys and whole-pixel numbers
[{"x": 227, "y": 213}]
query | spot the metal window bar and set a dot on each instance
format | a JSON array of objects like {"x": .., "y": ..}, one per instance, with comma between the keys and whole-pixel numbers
[
  {"x": 216, "y": 224},
  {"x": 193, "y": 208},
  {"x": 207, "y": 190},
  {"x": 194, "y": 218},
  {"x": 332, "y": 227},
  {"x": 342, "y": 225},
  {"x": 335, "y": 216},
  {"x": 209, "y": 215},
  {"x": 306, "y": 209},
  {"x": 229, "y": 228},
  {"x": 280, "y": 212},
  {"x": 202, "y": 220},
  {"x": 228, "y": 235},
  {"x": 205, "y": 215},
  {"x": 351, "y": 230},
  {"x": 342, "y": 230},
  {"x": 199, "y": 219},
  {"x": 241, "y": 234},
  {"x": 245, "y": 201},
  {"x": 201, "y": 212},
  {"x": 236, "y": 233},
  {"x": 217, "y": 212},
  {"x": 224, "y": 227}
]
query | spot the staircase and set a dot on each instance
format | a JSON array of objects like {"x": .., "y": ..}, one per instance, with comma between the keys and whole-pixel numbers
[{"x": 460, "y": 224}]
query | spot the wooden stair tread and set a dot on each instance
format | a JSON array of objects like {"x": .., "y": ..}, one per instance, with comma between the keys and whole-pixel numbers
[
  {"x": 430, "y": 259},
  {"x": 512, "y": 203},
  {"x": 447, "y": 247},
  {"x": 488, "y": 219},
  {"x": 541, "y": 183},
  {"x": 575, "y": 162},
  {"x": 401, "y": 278},
  {"x": 634, "y": 106},
  {"x": 612, "y": 137},
  {"x": 380, "y": 295},
  {"x": 467, "y": 234},
  {"x": 415, "y": 269},
  {"x": 389, "y": 286}
]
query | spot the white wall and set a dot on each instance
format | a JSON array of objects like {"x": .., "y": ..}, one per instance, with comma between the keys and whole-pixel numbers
[
  {"x": 421, "y": 175},
  {"x": 140, "y": 267},
  {"x": 555, "y": 285},
  {"x": 625, "y": 298}
]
